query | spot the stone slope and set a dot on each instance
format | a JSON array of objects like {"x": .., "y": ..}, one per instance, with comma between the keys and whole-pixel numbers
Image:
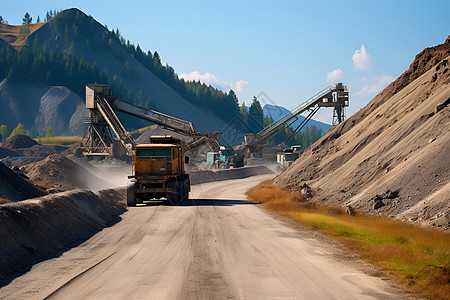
[{"x": 39, "y": 107}]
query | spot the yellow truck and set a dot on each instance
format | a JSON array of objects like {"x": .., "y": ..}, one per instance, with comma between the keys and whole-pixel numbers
[{"x": 158, "y": 172}]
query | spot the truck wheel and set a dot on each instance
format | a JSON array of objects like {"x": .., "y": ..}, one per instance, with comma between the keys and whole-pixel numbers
[
  {"x": 131, "y": 196},
  {"x": 173, "y": 197}
]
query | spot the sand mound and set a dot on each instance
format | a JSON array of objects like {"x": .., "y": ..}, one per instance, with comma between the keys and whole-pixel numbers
[
  {"x": 19, "y": 141},
  {"x": 59, "y": 172},
  {"x": 14, "y": 187},
  {"x": 40, "y": 228},
  {"x": 392, "y": 157}
]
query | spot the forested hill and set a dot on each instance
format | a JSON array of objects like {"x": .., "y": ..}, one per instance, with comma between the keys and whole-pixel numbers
[{"x": 73, "y": 49}]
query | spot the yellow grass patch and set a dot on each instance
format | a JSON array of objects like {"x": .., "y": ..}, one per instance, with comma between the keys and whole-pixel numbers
[
  {"x": 417, "y": 257},
  {"x": 16, "y": 35},
  {"x": 59, "y": 140},
  {"x": 3, "y": 201}
]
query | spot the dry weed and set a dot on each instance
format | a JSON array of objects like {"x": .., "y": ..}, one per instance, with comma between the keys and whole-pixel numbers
[{"x": 417, "y": 256}]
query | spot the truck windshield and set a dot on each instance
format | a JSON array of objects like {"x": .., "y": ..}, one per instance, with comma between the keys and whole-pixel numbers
[{"x": 159, "y": 153}]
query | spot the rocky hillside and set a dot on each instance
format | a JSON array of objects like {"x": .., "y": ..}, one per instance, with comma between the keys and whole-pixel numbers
[
  {"x": 393, "y": 156},
  {"x": 39, "y": 107}
]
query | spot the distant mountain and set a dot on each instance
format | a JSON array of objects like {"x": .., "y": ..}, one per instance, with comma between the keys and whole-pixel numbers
[{"x": 277, "y": 112}]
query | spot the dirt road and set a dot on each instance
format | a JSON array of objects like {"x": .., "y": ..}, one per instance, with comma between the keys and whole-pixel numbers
[{"x": 216, "y": 246}]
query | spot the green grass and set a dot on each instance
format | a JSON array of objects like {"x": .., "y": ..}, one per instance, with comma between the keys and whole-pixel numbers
[
  {"x": 417, "y": 257},
  {"x": 59, "y": 140}
]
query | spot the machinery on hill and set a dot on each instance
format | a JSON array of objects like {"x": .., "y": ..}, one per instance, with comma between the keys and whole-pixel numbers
[
  {"x": 336, "y": 97},
  {"x": 158, "y": 172},
  {"x": 225, "y": 158},
  {"x": 99, "y": 141}
]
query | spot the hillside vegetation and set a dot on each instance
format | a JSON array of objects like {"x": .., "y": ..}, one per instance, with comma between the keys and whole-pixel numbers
[{"x": 73, "y": 49}]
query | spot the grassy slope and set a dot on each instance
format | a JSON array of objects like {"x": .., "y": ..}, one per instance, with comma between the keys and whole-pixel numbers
[
  {"x": 17, "y": 35},
  {"x": 417, "y": 257}
]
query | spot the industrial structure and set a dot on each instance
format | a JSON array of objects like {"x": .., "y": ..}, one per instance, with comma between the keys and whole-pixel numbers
[
  {"x": 103, "y": 121},
  {"x": 335, "y": 97}
]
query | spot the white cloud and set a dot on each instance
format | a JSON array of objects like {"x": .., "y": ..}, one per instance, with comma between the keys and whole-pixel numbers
[
  {"x": 361, "y": 59},
  {"x": 334, "y": 75},
  {"x": 380, "y": 83},
  {"x": 241, "y": 85},
  {"x": 211, "y": 79}
]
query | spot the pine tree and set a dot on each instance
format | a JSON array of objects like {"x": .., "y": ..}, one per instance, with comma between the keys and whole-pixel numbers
[
  {"x": 27, "y": 19},
  {"x": 243, "y": 111},
  {"x": 38, "y": 20},
  {"x": 255, "y": 116},
  {"x": 3, "y": 21}
]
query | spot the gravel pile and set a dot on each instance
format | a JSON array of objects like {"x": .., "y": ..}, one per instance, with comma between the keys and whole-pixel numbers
[
  {"x": 19, "y": 141},
  {"x": 62, "y": 174},
  {"x": 14, "y": 187}
]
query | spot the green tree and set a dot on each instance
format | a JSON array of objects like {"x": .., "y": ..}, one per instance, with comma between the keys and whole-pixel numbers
[
  {"x": 267, "y": 121},
  {"x": 27, "y": 19},
  {"x": 4, "y": 132},
  {"x": 48, "y": 16},
  {"x": 38, "y": 20},
  {"x": 20, "y": 129},
  {"x": 3, "y": 21},
  {"x": 306, "y": 138},
  {"x": 50, "y": 132},
  {"x": 255, "y": 116},
  {"x": 243, "y": 111}
]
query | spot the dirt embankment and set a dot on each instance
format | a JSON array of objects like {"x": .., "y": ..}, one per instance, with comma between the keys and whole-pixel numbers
[
  {"x": 392, "y": 157},
  {"x": 40, "y": 228}
]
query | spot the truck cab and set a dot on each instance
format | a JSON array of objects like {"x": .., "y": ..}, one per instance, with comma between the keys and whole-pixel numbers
[
  {"x": 158, "y": 172},
  {"x": 222, "y": 159}
]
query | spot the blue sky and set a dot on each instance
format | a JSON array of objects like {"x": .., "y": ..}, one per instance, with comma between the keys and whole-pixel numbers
[{"x": 288, "y": 50}]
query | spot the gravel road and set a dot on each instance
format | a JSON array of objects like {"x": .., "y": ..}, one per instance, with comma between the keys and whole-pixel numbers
[{"x": 215, "y": 246}]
